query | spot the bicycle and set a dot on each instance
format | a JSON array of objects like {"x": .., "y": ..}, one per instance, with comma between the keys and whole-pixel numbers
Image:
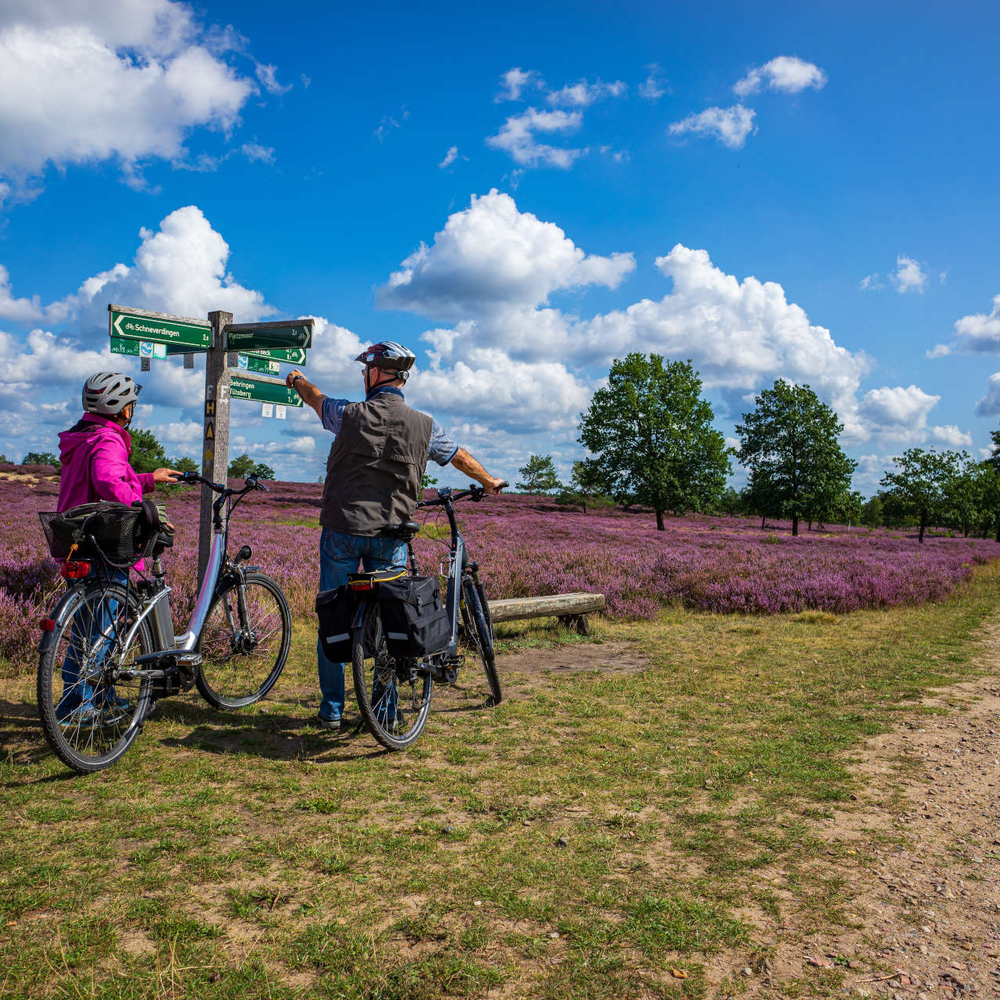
[
  {"x": 118, "y": 640},
  {"x": 394, "y": 693}
]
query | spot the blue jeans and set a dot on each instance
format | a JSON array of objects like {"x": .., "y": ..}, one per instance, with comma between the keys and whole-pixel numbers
[
  {"x": 77, "y": 691},
  {"x": 339, "y": 555}
]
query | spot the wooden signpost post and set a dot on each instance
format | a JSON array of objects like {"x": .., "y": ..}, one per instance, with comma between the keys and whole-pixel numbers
[{"x": 151, "y": 335}]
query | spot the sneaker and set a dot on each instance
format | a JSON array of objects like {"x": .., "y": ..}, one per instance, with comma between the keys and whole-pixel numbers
[
  {"x": 81, "y": 717},
  {"x": 325, "y": 723}
]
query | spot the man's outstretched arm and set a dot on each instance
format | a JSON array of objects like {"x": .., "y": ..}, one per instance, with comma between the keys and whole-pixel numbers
[
  {"x": 464, "y": 462},
  {"x": 311, "y": 396}
]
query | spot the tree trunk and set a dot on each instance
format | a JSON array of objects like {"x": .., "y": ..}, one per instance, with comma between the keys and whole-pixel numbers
[
  {"x": 998, "y": 528},
  {"x": 923, "y": 522},
  {"x": 809, "y": 527},
  {"x": 795, "y": 524},
  {"x": 763, "y": 521},
  {"x": 659, "y": 521}
]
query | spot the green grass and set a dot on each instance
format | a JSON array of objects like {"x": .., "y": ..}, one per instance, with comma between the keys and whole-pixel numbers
[{"x": 598, "y": 830}]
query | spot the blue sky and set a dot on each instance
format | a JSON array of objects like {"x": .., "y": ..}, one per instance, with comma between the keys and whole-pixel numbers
[{"x": 798, "y": 191}]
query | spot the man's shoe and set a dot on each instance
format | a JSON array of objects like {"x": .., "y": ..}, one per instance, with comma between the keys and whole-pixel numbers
[{"x": 325, "y": 723}]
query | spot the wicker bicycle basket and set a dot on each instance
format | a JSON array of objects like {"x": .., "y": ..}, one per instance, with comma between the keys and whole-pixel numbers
[{"x": 105, "y": 531}]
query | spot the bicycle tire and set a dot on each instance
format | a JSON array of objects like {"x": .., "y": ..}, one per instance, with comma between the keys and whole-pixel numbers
[
  {"x": 243, "y": 659},
  {"x": 99, "y": 730},
  {"x": 383, "y": 696},
  {"x": 479, "y": 630}
]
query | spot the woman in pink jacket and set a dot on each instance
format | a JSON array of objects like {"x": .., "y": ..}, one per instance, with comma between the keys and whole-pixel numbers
[{"x": 95, "y": 466}]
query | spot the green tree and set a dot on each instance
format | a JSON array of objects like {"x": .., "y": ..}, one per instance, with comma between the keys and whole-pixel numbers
[
  {"x": 652, "y": 434},
  {"x": 184, "y": 464},
  {"x": 789, "y": 446},
  {"x": 965, "y": 493},
  {"x": 871, "y": 513},
  {"x": 426, "y": 482},
  {"x": 917, "y": 488},
  {"x": 587, "y": 485},
  {"x": 731, "y": 502},
  {"x": 538, "y": 475},
  {"x": 847, "y": 508},
  {"x": 244, "y": 465},
  {"x": 147, "y": 453},
  {"x": 41, "y": 458}
]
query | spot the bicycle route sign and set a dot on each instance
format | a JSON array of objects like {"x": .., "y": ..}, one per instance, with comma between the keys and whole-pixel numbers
[
  {"x": 159, "y": 328},
  {"x": 263, "y": 390}
]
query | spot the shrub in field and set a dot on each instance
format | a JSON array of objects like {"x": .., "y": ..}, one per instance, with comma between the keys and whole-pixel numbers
[{"x": 526, "y": 546}]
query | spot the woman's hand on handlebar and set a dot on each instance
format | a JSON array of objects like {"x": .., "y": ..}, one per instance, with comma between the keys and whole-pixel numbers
[{"x": 168, "y": 476}]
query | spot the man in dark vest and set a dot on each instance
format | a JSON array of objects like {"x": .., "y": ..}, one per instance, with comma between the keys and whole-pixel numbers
[{"x": 373, "y": 477}]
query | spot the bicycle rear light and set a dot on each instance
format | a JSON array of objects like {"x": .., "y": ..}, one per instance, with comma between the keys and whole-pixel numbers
[
  {"x": 47, "y": 624},
  {"x": 360, "y": 584},
  {"x": 74, "y": 570}
]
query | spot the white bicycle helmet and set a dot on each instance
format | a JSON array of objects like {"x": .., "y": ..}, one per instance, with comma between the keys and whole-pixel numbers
[
  {"x": 108, "y": 393},
  {"x": 387, "y": 354}
]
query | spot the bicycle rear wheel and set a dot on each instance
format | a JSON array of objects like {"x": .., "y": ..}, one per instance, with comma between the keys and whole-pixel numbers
[
  {"x": 90, "y": 713},
  {"x": 479, "y": 632},
  {"x": 393, "y": 695},
  {"x": 244, "y": 642}
]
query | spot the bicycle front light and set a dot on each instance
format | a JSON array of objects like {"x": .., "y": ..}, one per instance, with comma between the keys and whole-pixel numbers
[{"x": 244, "y": 554}]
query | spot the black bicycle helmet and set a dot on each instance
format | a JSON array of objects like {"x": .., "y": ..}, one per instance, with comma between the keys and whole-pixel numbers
[{"x": 387, "y": 354}]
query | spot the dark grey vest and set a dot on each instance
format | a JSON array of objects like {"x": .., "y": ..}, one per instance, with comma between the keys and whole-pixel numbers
[{"x": 375, "y": 466}]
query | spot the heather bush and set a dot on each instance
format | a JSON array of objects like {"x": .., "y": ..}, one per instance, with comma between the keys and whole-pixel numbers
[{"x": 527, "y": 546}]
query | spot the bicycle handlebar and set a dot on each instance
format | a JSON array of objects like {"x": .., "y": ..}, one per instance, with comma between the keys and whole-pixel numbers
[
  {"x": 475, "y": 493},
  {"x": 250, "y": 481}
]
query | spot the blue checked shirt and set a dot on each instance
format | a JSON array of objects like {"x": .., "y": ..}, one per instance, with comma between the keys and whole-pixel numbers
[{"x": 441, "y": 447}]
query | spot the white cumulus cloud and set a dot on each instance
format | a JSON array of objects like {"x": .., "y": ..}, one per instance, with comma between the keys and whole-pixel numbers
[
  {"x": 492, "y": 257},
  {"x": 730, "y": 126},
  {"x": 515, "y": 81},
  {"x": 93, "y": 80},
  {"x": 518, "y": 138},
  {"x": 449, "y": 157},
  {"x": 909, "y": 275},
  {"x": 989, "y": 405},
  {"x": 952, "y": 436},
  {"x": 652, "y": 88},
  {"x": 582, "y": 94},
  {"x": 786, "y": 73},
  {"x": 977, "y": 333}
]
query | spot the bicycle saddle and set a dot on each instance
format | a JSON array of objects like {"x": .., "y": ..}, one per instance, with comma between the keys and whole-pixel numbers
[{"x": 405, "y": 531}]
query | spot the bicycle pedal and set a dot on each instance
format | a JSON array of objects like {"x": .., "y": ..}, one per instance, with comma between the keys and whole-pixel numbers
[{"x": 166, "y": 658}]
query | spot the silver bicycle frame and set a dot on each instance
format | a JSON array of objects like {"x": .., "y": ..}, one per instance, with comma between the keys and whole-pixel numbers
[{"x": 189, "y": 639}]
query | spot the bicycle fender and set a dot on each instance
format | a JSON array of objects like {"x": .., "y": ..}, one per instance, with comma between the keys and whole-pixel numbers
[
  {"x": 359, "y": 615},
  {"x": 67, "y": 604}
]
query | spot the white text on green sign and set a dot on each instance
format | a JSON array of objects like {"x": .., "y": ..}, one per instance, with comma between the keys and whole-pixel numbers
[
  {"x": 160, "y": 328},
  {"x": 290, "y": 355},
  {"x": 265, "y": 336},
  {"x": 263, "y": 390}
]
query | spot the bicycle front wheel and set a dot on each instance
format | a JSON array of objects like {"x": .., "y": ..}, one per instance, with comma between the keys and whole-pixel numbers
[
  {"x": 90, "y": 712},
  {"x": 244, "y": 642},
  {"x": 478, "y": 628},
  {"x": 394, "y": 696}
]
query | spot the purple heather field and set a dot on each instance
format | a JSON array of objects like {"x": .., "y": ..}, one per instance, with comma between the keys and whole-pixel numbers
[{"x": 525, "y": 546}]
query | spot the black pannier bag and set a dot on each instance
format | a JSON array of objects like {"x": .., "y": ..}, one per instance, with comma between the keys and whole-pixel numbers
[
  {"x": 111, "y": 532},
  {"x": 335, "y": 610},
  {"x": 414, "y": 616}
]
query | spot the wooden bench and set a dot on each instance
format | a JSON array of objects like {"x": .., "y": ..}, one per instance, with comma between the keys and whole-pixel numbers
[{"x": 570, "y": 609}]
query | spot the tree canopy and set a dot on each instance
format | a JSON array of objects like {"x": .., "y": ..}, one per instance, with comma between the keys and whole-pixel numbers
[
  {"x": 538, "y": 475},
  {"x": 789, "y": 444},
  {"x": 147, "y": 453},
  {"x": 244, "y": 465},
  {"x": 41, "y": 458},
  {"x": 652, "y": 434},
  {"x": 918, "y": 486}
]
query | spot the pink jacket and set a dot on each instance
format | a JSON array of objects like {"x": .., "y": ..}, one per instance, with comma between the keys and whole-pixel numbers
[{"x": 95, "y": 464}]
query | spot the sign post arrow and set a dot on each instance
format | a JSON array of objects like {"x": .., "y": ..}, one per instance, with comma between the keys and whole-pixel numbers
[{"x": 125, "y": 323}]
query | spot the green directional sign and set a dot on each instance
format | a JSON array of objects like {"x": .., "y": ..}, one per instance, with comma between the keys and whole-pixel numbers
[
  {"x": 159, "y": 328},
  {"x": 146, "y": 348},
  {"x": 263, "y": 390},
  {"x": 291, "y": 355},
  {"x": 251, "y": 363},
  {"x": 257, "y": 337}
]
